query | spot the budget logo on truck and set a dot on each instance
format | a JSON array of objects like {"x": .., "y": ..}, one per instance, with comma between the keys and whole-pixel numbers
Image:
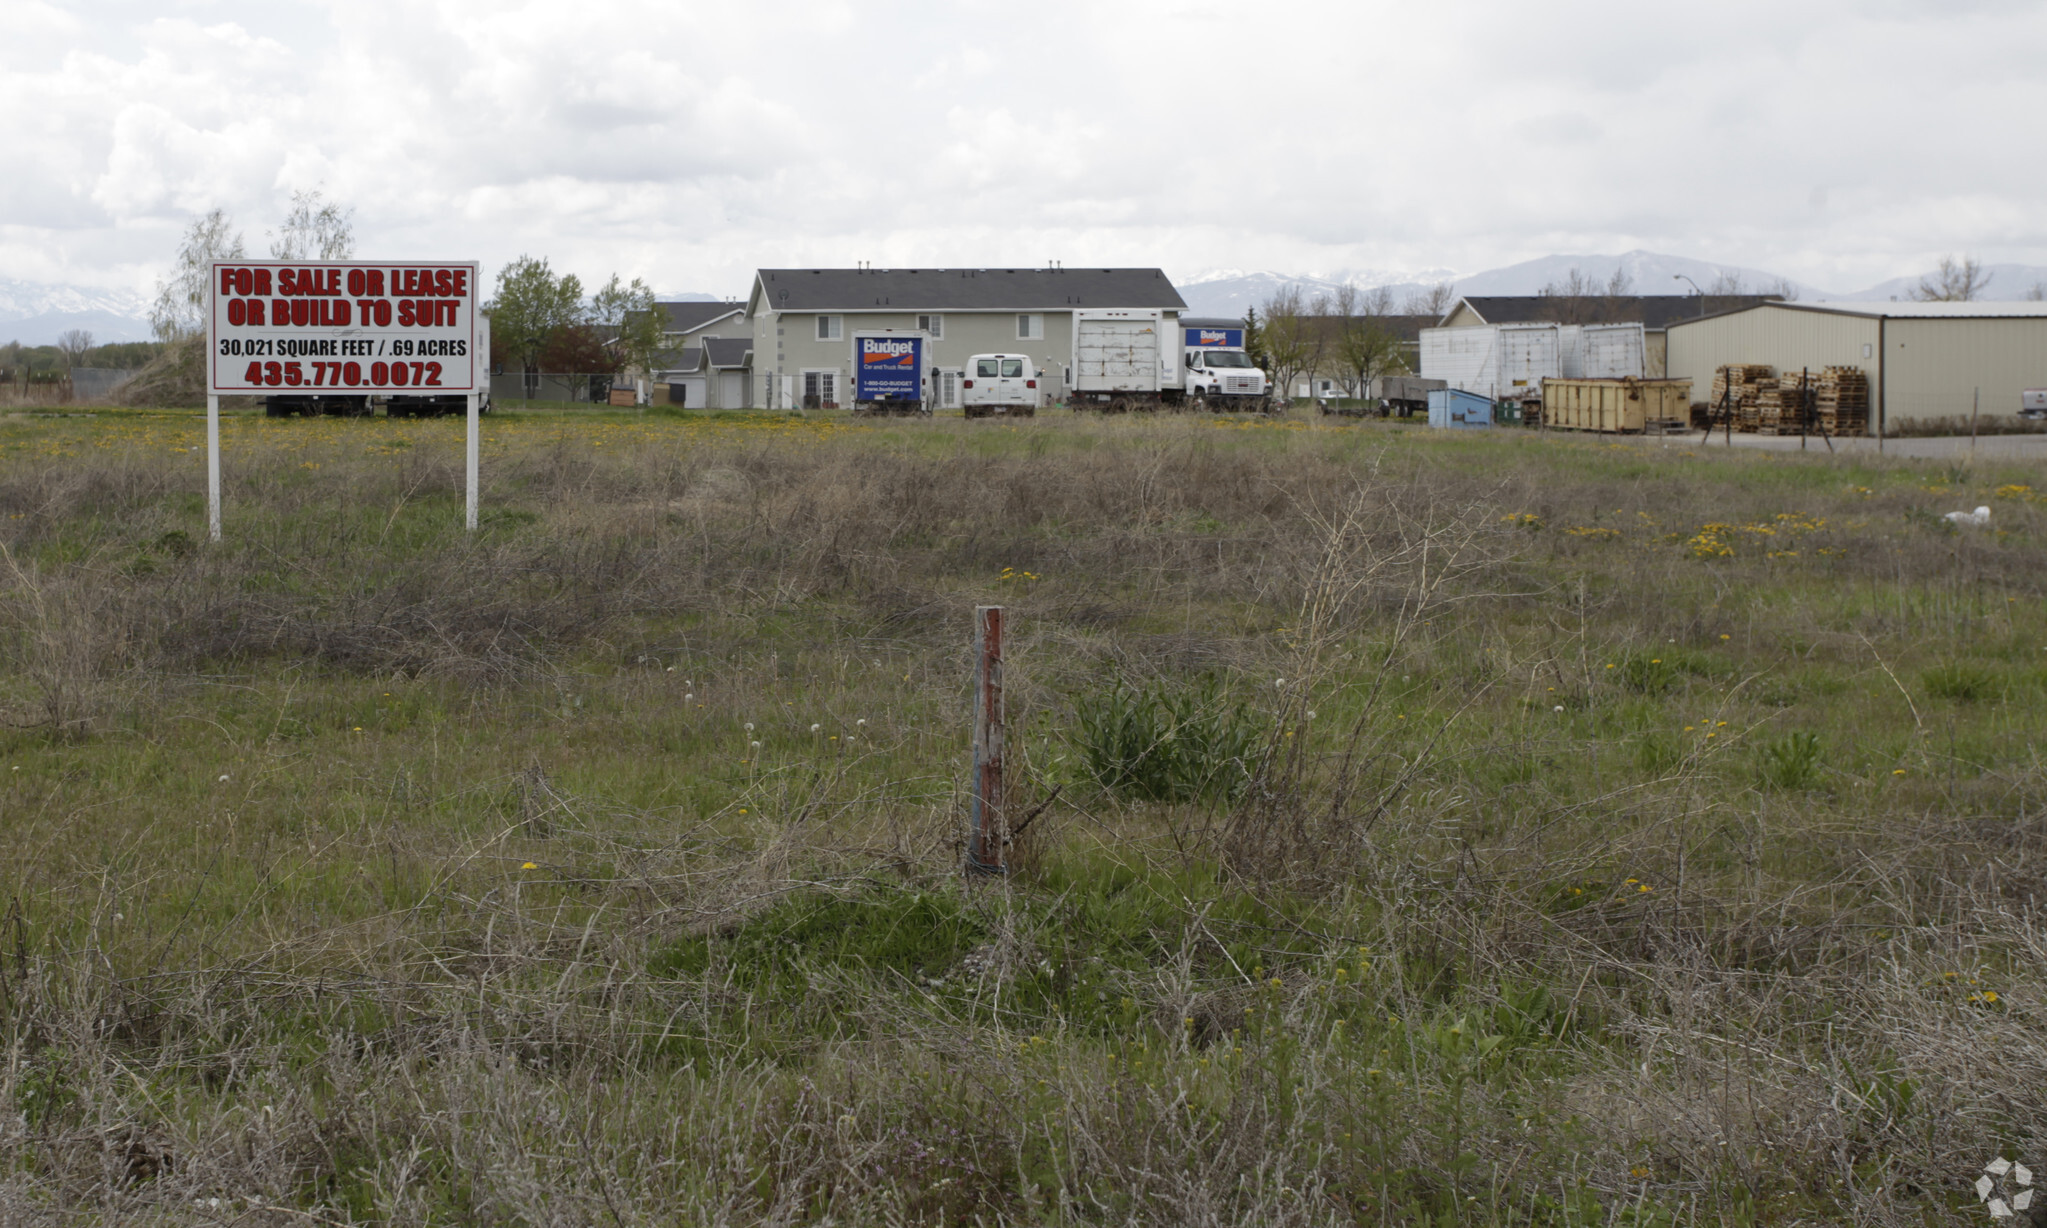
[
  {"x": 890, "y": 369},
  {"x": 1215, "y": 338}
]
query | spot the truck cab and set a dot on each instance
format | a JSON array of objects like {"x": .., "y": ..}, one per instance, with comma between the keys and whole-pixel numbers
[
  {"x": 1219, "y": 372},
  {"x": 1000, "y": 384}
]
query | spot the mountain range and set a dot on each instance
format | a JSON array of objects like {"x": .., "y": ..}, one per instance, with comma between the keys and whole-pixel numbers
[
  {"x": 1228, "y": 292},
  {"x": 35, "y": 313}
]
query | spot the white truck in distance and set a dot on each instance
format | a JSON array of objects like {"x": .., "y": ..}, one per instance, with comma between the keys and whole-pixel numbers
[
  {"x": 1219, "y": 372},
  {"x": 1000, "y": 384}
]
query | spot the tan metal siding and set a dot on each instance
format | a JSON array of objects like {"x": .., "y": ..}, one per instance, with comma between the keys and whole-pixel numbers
[
  {"x": 1785, "y": 339},
  {"x": 1937, "y": 366},
  {"x": 1463, "y": 317}
]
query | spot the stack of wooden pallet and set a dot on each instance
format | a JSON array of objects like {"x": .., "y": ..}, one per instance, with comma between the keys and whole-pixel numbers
[
  {"x": 1742, "y": 384},
  {"x": 1842, "y": 398}
]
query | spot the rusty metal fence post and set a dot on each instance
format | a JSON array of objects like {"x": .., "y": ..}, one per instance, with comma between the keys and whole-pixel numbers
[{"x": 987, "y": 829}]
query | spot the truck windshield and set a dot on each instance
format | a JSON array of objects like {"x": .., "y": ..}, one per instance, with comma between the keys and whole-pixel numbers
[{"x": 1226, "y": 358}]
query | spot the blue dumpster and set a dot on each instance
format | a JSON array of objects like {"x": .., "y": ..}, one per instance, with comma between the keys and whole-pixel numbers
[{"x": 1453, "y": 407}]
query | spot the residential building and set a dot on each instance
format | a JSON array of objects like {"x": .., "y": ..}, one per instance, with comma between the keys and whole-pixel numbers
[{"x": 804, "y": 321}]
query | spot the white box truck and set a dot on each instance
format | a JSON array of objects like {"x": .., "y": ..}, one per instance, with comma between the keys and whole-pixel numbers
[
  {"x": 1122, "y": 360},
  {"x": 1219, "y": 373}
]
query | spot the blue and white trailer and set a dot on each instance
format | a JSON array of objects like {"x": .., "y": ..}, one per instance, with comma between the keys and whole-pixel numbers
[{"x": 889, "y": 374}]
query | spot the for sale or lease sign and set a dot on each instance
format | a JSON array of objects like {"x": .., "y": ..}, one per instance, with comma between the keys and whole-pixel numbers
[{"x": 340, "y": 328}]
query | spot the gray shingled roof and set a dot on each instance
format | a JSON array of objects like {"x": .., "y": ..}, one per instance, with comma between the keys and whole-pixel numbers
[
  {"x": 967, "y": 289},
  {"x": 1651, "y": 311},
  {"x": 687, "y": 317},
  {"x": 727, "y": 351}
]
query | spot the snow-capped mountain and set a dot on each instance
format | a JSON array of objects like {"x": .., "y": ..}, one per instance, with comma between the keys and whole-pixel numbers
[
  {"x": 35, "y": 313},
  {"x": 1229, "y": 293}
]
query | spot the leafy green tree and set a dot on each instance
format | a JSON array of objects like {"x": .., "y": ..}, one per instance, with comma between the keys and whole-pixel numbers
[
  {"x": 1254, "y": 341},
  {"x": 637, "y": 324},
  {"x": 531, "y": 305}
]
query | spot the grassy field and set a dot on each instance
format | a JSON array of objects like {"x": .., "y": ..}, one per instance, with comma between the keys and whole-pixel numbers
[{"x": 1512, "y": 829}]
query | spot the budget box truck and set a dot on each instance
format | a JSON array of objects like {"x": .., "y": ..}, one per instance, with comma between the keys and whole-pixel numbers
[{"x": 1219, "y": 373}]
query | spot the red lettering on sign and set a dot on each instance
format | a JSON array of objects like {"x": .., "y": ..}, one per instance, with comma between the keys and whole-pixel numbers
[
  {"x": 280, "y": 311},
  {"x": 444, "y": 283},
  {"x": 405, "y": 313},
  {"x": 461, "y": 283},
  {"x": 341, "y": 312},
  {"x": 227, "y": 281},
  {"x": 255, "y": 311},
  {"x": 383, "y": 306},
  {"x": 301, "y": 313},
  {"x": 355, "y": 283},
  {"x": 376, "y": 281},
  {"x": 287, "y": 282},
  {"x": 237, "y": 312},
  {"x": 254, "y": 375}
]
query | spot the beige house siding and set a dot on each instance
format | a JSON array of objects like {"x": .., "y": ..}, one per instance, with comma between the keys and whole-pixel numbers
[
  {"x": 1786, "y": 339},
  {"x": 786, "y": 344},
  {"x": 1938, "y": 366},
  {"x": 1463, "y": 317}
]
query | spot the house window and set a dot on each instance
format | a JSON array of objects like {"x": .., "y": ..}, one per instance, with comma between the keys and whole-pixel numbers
[
  {"x": 830, "y": 328},
  {"x": 820, "y": 390},
  {"x": 935, "y": 325},
  {"x": 1030, "y": 328}
]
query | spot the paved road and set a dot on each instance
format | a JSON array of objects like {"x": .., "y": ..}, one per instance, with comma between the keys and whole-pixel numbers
[{"x": 1988, "y": 447}]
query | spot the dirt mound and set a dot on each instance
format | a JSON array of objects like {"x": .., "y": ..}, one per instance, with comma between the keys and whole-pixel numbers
[{"x": 175, "y": 377}]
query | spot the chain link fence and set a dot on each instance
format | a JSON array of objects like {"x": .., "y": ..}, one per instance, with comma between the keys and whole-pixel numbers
[{"x": 516, "y": 389}]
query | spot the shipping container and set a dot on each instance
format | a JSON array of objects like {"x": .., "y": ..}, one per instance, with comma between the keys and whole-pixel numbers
[
  {"x": 1625, "y": 405},
  {"x": 1452, "y": 408},
  {"x": 1496, "y": 361}
]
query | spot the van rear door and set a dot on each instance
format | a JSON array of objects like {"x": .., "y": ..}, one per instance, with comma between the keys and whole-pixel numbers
[{"x": 1013, "y": 390}]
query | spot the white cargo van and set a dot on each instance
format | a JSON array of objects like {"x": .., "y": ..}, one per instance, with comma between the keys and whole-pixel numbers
[{"x": 999, "y": 384}]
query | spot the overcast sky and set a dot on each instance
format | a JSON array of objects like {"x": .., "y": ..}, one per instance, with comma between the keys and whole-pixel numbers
[{"x": 1838, "y": 142}]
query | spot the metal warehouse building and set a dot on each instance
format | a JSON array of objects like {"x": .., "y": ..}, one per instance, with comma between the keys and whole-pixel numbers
[
  {"x": 804, "y": 321},
  {"x": 1923, "y": 360}
]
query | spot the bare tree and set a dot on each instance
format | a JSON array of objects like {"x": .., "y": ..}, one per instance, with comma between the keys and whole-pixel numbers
[
  {"x": 1956, "y": 281},
  {"x": 1782, "y": 289},
  {"x": 1726, "y": 284},
  {"x": 2038, "y": 293},
  {"x": 1574, "y": 299},
  {"x": 1366, "y": 345},
  {"x": 181, "y": 299},
  {"x": 314, "y": 229},
  {"x": 1288, "y": 344},
  {"x": 73, "y": 343},
  {"x": 1434, "y": 302}
]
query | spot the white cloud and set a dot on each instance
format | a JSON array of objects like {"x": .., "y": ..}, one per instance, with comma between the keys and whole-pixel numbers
[{"x": 1837, "y": 141}]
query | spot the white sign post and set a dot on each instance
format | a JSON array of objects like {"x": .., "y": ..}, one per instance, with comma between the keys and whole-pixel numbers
[{"x": 342, "y": 331}]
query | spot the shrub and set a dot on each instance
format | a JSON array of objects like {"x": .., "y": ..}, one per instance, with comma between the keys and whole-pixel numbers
[
  {"x": 1956, "y": 681},
  {"x": 1155, "y": 745},
  {"x": 1792, "y": 762}
]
